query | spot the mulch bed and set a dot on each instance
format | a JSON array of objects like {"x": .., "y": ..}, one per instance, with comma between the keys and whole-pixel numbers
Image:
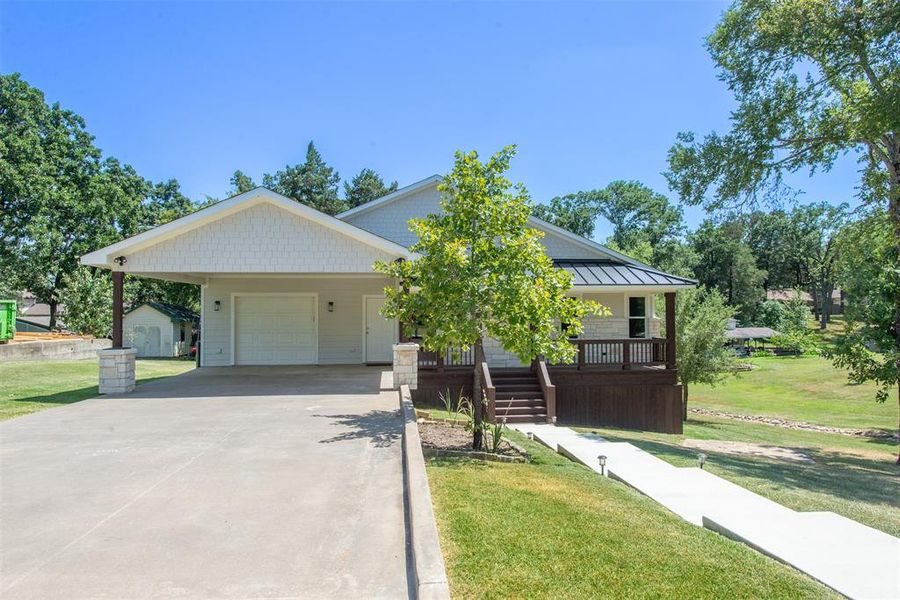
[{"x": 443, "y": 439}]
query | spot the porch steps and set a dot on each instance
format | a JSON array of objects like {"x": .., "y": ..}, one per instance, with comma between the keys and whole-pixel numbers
[{"x": 519, "y": 397}]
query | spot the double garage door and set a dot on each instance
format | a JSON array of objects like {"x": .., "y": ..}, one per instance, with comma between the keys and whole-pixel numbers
[{"x": 275, "y": 330}]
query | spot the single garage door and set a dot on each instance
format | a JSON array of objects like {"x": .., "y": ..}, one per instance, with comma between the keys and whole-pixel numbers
[{"x": 275, "y": 330}]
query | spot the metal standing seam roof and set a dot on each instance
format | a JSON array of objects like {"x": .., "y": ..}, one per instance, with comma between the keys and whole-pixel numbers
[{"x": 605, "y": 272}]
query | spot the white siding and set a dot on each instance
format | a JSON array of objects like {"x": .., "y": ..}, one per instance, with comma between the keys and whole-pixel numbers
[
  {"x": 147, "y": 317},
  {"x": 391, "y": 220},
  {"x": 259, "y": 239},
  {"x": 340, "y": 332},
  {"x": 557, "y": 246}
]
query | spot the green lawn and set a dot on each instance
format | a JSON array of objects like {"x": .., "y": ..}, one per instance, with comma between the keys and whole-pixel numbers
[
  {"x": 802, "y": 389},
  {"x": 554, "y": 529},
  {"x": 27, "y": 387},
  {"x": 852, "y": 476}
]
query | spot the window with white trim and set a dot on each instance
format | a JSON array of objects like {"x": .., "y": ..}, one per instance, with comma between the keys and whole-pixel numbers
[{"x": 637, "y": 317}]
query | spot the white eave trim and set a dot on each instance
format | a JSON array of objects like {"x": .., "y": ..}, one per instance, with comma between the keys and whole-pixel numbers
[
  {"x": 103, "y": 257},
  {"x": 396, "y": 195}
]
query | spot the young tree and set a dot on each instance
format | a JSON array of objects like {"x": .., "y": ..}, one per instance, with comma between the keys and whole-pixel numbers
[
  {"x": 366, "y": 186},
  {"x": 481, "y": 271},
  {"x": 312, "y": 183},
  {"x": 869, "y": 272},
  {"x": 703, "y": 354}
]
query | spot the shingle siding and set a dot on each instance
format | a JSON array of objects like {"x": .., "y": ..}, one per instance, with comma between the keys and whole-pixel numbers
[
  {"x": 391, "y": 220},
  {"x": 259, "y": 239}
]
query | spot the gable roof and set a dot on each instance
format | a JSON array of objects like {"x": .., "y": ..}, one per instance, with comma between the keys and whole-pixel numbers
[
  {"x": 173, "y": 311},
  {"x": 395, "y": 195},
  {"x": 104, "y": 256},
  {"x": 533, "y": 221}
]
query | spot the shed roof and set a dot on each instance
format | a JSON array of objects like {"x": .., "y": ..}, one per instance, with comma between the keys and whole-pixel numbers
[
  {"x": 592, "y": 273},
  {"x": 173, "y": 311}
]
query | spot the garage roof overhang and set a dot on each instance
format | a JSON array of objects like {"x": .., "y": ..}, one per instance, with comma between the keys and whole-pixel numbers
[{"x": 107, "y": 257}]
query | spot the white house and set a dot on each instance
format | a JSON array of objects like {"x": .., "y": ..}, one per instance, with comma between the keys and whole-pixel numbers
[
  {"x": 159, "y": 329},
  {"x": 282, "y": 283}
]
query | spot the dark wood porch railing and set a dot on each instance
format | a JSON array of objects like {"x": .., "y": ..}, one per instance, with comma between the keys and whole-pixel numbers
[
  {"x": 438, "y": 361},
  {"x": 623, "y": 353},
  {"x": 490, "y": 393},
  {"x": 547, "y": 388}
]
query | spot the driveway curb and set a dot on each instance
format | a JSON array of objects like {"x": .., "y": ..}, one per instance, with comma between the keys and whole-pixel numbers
[{"x": 428, "y": 563}]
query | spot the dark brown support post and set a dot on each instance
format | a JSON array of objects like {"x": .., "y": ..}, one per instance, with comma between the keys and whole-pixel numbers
[
  {"x": 582, "y": 347},
  {"x": 118, "y": 279},
  {"x": 626, "y": 354},
  {"x": 670, "y": 330}
]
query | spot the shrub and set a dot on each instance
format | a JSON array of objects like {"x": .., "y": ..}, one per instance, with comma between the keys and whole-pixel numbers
[
  {"x": 801, "y": 341},
  {"x": 771, "y": 314}
]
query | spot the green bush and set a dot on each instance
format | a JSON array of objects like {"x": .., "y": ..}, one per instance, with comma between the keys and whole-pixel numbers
[{"x": 800, "y": 341}]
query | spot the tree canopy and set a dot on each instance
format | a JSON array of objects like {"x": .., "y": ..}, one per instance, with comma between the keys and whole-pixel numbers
[
  {"x": 366, "y": 186},
  {"x": 311, "y": 182}
]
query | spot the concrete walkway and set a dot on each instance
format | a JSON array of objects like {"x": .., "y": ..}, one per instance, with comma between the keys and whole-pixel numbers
[
  {"x": 855, "y": 560},
  {"x": 274, "y": 482}
]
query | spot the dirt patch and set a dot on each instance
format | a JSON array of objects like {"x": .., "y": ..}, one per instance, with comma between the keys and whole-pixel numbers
[
  {"x": 746, "y": 448},
  {"x": 440, "y": 438},
  {"x": 788, "y": 424}
]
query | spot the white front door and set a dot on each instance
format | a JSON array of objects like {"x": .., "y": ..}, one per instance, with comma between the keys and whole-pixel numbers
[
  {"x": 275, "y": 330},
  {"x": 379, "y": 332}
]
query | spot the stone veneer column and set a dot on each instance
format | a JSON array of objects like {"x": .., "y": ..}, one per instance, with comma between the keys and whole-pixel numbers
[
  {"x": 406, "y": 365},
  {"x": 116, "y": 370}
]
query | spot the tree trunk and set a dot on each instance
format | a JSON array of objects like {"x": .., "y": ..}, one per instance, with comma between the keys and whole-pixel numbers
[
  {"x": 477, "y": 406},
  {"x": 684, "y": 401},
  {"x": 825, "y": 290},
  {"x": 53, "y": 304},
  {"x": 814, "y": 292}
]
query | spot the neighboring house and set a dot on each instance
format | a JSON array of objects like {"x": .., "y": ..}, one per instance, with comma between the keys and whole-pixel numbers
[
  {"x": 837, "y": 298},
  {"x": 282, "y": 283},
  {"x": 159, "y": 329},
  {"x": 36, "y": 315}
]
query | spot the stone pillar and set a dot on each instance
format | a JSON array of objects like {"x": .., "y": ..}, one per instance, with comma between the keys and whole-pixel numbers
[
  {"x": 116, "y": 370},
  {"x": 406, "y": 365}
]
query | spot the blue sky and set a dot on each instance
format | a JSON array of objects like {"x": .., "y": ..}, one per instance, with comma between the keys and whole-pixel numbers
[{"x": 590, "y": 92}]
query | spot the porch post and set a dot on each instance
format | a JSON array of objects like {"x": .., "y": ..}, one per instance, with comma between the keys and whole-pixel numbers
[
  {"x": 670, "y": 330},
  {"x": 118, "y": 279}
]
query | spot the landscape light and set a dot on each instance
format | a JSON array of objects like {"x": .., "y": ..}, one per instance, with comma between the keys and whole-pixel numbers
[
  {"x": 701, "y": 458},
  {"x": 602, "y": 460}
]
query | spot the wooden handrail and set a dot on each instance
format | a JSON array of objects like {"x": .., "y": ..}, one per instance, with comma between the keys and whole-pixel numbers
[
  {"x": 490, "y": 392},
  {"x": 548, "y": 389}
]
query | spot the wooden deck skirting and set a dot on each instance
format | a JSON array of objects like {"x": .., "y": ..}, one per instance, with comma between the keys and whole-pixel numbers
[{"x": 613, "y": 383}]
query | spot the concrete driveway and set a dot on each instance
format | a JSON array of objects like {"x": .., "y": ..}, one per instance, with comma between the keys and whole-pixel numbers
[{"x": 253, "y": 482}]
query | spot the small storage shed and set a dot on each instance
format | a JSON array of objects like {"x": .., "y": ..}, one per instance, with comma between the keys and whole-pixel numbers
[{"x": 159, "y": 329}]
